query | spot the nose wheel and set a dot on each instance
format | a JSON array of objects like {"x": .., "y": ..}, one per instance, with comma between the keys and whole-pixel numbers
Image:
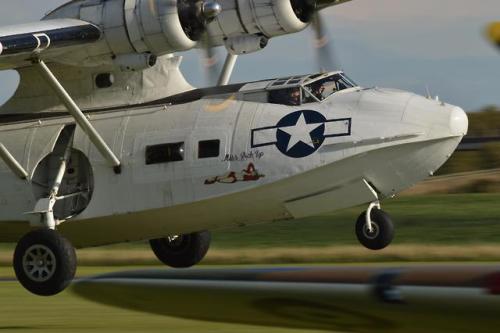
[
  {"x": 374, "y": 228},
  {"x": 44, "y": 262},
  {"x": 182, "y": 251}
]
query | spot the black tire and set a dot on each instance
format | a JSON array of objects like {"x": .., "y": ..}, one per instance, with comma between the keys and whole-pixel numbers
[
  {"x": 383, "y": 230},
  {"x": 44, "y": 262},
  {"x": 184, "y": 251}
]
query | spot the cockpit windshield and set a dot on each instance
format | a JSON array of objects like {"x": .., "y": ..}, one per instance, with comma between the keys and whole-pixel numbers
[
  {"x": 314, "y": 88},
  {"x": 324, "y": 87}
]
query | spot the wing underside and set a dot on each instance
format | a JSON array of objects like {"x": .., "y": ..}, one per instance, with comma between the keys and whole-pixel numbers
[
  {"x": 47, "y": 40},
  {"x": 412, "y": 299}
]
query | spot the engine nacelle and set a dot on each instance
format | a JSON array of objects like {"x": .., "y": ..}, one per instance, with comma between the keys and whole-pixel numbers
[
  {"x": 155, "y": 26},
  {"x": 135, "y": 62},
  {"x": 246, "y": 44},
  {"x": 161, "y": 27},
  {"x": 258, "y": 17},
  {"x": 141, "y": 26}
]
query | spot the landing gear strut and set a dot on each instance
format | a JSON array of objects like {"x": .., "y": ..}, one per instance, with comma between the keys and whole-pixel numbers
[
  {"x": 374, "y": 228},
  {"x": 44, "y": 261},
  {"x": 182, "y": 251}
]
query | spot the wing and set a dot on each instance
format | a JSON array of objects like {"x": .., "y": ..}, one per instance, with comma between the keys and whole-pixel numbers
[
  {"x": 435, "y": 299},
  {"x": 494, "y": 33},
  {"x": 47, "y": 40}
]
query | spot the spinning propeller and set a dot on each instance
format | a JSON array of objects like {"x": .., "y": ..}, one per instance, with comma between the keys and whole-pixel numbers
[
  {"x": 305, "y": 10},
  {"x": 196, "y": 15},
  {"x": 309, "y": 11},
  {"x": 325, "y": 56}
]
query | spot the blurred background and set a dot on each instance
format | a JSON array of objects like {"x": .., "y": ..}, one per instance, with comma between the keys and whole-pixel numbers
[
  {"x": 422, "y": 46},
  {"x": 438, "y": 48}
]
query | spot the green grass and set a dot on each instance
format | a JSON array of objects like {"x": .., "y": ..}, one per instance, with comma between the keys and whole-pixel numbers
[
  {"x": 437, "y": 220},
  {"x": 471, "y": 219},
  {"x": 460, "y": 227}
]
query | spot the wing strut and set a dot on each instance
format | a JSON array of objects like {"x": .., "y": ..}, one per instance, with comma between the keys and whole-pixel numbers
[
  {"x": 12, "y": 163},
  {"x": 227, "y": 70},
  {"x": 79, "y": 117}
]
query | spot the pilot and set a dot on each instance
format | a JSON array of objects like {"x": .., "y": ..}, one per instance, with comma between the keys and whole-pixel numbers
[
  {"x": 294, "y": 98},
  {"x": 318, "y": 91}
]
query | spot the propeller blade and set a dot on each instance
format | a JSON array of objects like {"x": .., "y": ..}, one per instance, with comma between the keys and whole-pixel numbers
[
  {"x": 324, "y": 47},
  {"x": 211, "y": 60}
]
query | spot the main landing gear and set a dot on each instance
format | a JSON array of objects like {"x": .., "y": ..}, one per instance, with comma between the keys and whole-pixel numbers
[
  {"x": 182, "y": 251},
  {"x": 374, "y": 228},
  {"x": 44, "y": 262}
]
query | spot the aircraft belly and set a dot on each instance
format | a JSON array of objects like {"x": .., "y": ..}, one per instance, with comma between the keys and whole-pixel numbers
[
  {"x": 342, "y": 196},
  {"x": 269, "y": 202}
]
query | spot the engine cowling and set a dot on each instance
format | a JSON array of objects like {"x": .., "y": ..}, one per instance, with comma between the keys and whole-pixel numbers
[
  {"x": 258, "y": 17},
  {"x": 161, "y": 27},
  {"x": 155, "y": 27}
]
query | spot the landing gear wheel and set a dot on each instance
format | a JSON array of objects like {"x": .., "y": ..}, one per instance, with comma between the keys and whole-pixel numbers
[
  {"x": 382, "y": 231},
  {"x": 182, "y": 251},
  {"x": 44, "y": 262}
]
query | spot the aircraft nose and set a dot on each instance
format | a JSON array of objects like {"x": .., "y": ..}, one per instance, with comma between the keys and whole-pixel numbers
[
  {"x": 459, "y": 123},
  {"x": 439, "y": 120}
]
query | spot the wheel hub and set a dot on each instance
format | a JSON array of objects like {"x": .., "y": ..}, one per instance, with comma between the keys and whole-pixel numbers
[
  {"x": 39, "y": 263},
  {"x": 175, "y": 241},
  {"x": 373, "y": 234}
]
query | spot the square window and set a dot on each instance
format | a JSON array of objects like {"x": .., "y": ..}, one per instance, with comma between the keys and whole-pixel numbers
[
  {"x": 163, "y": 153},
  {"x": 208, "y": 148}
]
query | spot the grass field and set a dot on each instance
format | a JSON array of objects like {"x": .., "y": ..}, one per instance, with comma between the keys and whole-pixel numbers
[
  {"x": 430, "y": 228},
  {"x": 438, "y": 219},
  {"x": 464, "y": 227}
]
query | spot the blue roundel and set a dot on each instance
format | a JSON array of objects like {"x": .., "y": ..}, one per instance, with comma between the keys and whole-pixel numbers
[{"x": 301, "y": 133}]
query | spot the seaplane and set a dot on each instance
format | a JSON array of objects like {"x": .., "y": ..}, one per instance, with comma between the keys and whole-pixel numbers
[{"x": 106, "y": 142}]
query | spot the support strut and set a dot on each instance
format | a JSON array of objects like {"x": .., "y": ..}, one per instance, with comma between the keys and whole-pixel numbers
[
  {"x": 369, "y": 222},
  {"x": 79, "y": 117},
  {"x": 45, "y": 206},
  {"x": 227, "y": 70},
  {"x": 49, "y": 216},
  {"x": 12, "y": 163}
]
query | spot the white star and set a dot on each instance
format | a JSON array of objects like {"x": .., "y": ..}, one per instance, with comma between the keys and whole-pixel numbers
[{"x": 300, "y": 132}]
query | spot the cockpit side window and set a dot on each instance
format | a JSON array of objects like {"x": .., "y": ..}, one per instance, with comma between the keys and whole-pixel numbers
[
  {"x": 287, "y": 96},
  {"x": 309, "y": 96},
  {"x": 323, "y": 88}
]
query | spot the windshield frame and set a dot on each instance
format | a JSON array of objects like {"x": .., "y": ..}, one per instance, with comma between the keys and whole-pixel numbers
[
  {"x": 303, "y": 82},
  {"x": 309, "y": 82}
]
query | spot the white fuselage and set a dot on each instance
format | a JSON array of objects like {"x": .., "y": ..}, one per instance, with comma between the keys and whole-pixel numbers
[{"x": 274, "y": 162}]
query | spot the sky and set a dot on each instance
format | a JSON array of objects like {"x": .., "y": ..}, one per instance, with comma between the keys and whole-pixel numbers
[{"x": 403, "y": 44}]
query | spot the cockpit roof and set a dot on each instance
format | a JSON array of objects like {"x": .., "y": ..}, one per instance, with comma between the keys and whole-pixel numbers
[
  {"x": 271, "y": 85},
  {"x": 287, "y": 82}
]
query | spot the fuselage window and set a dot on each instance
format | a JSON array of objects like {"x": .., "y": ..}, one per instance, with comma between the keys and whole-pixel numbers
[
  {"x": 208, "y": 148},
  {"x": 104, "y": 80},
  {"x": 164, "y": 153}
]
